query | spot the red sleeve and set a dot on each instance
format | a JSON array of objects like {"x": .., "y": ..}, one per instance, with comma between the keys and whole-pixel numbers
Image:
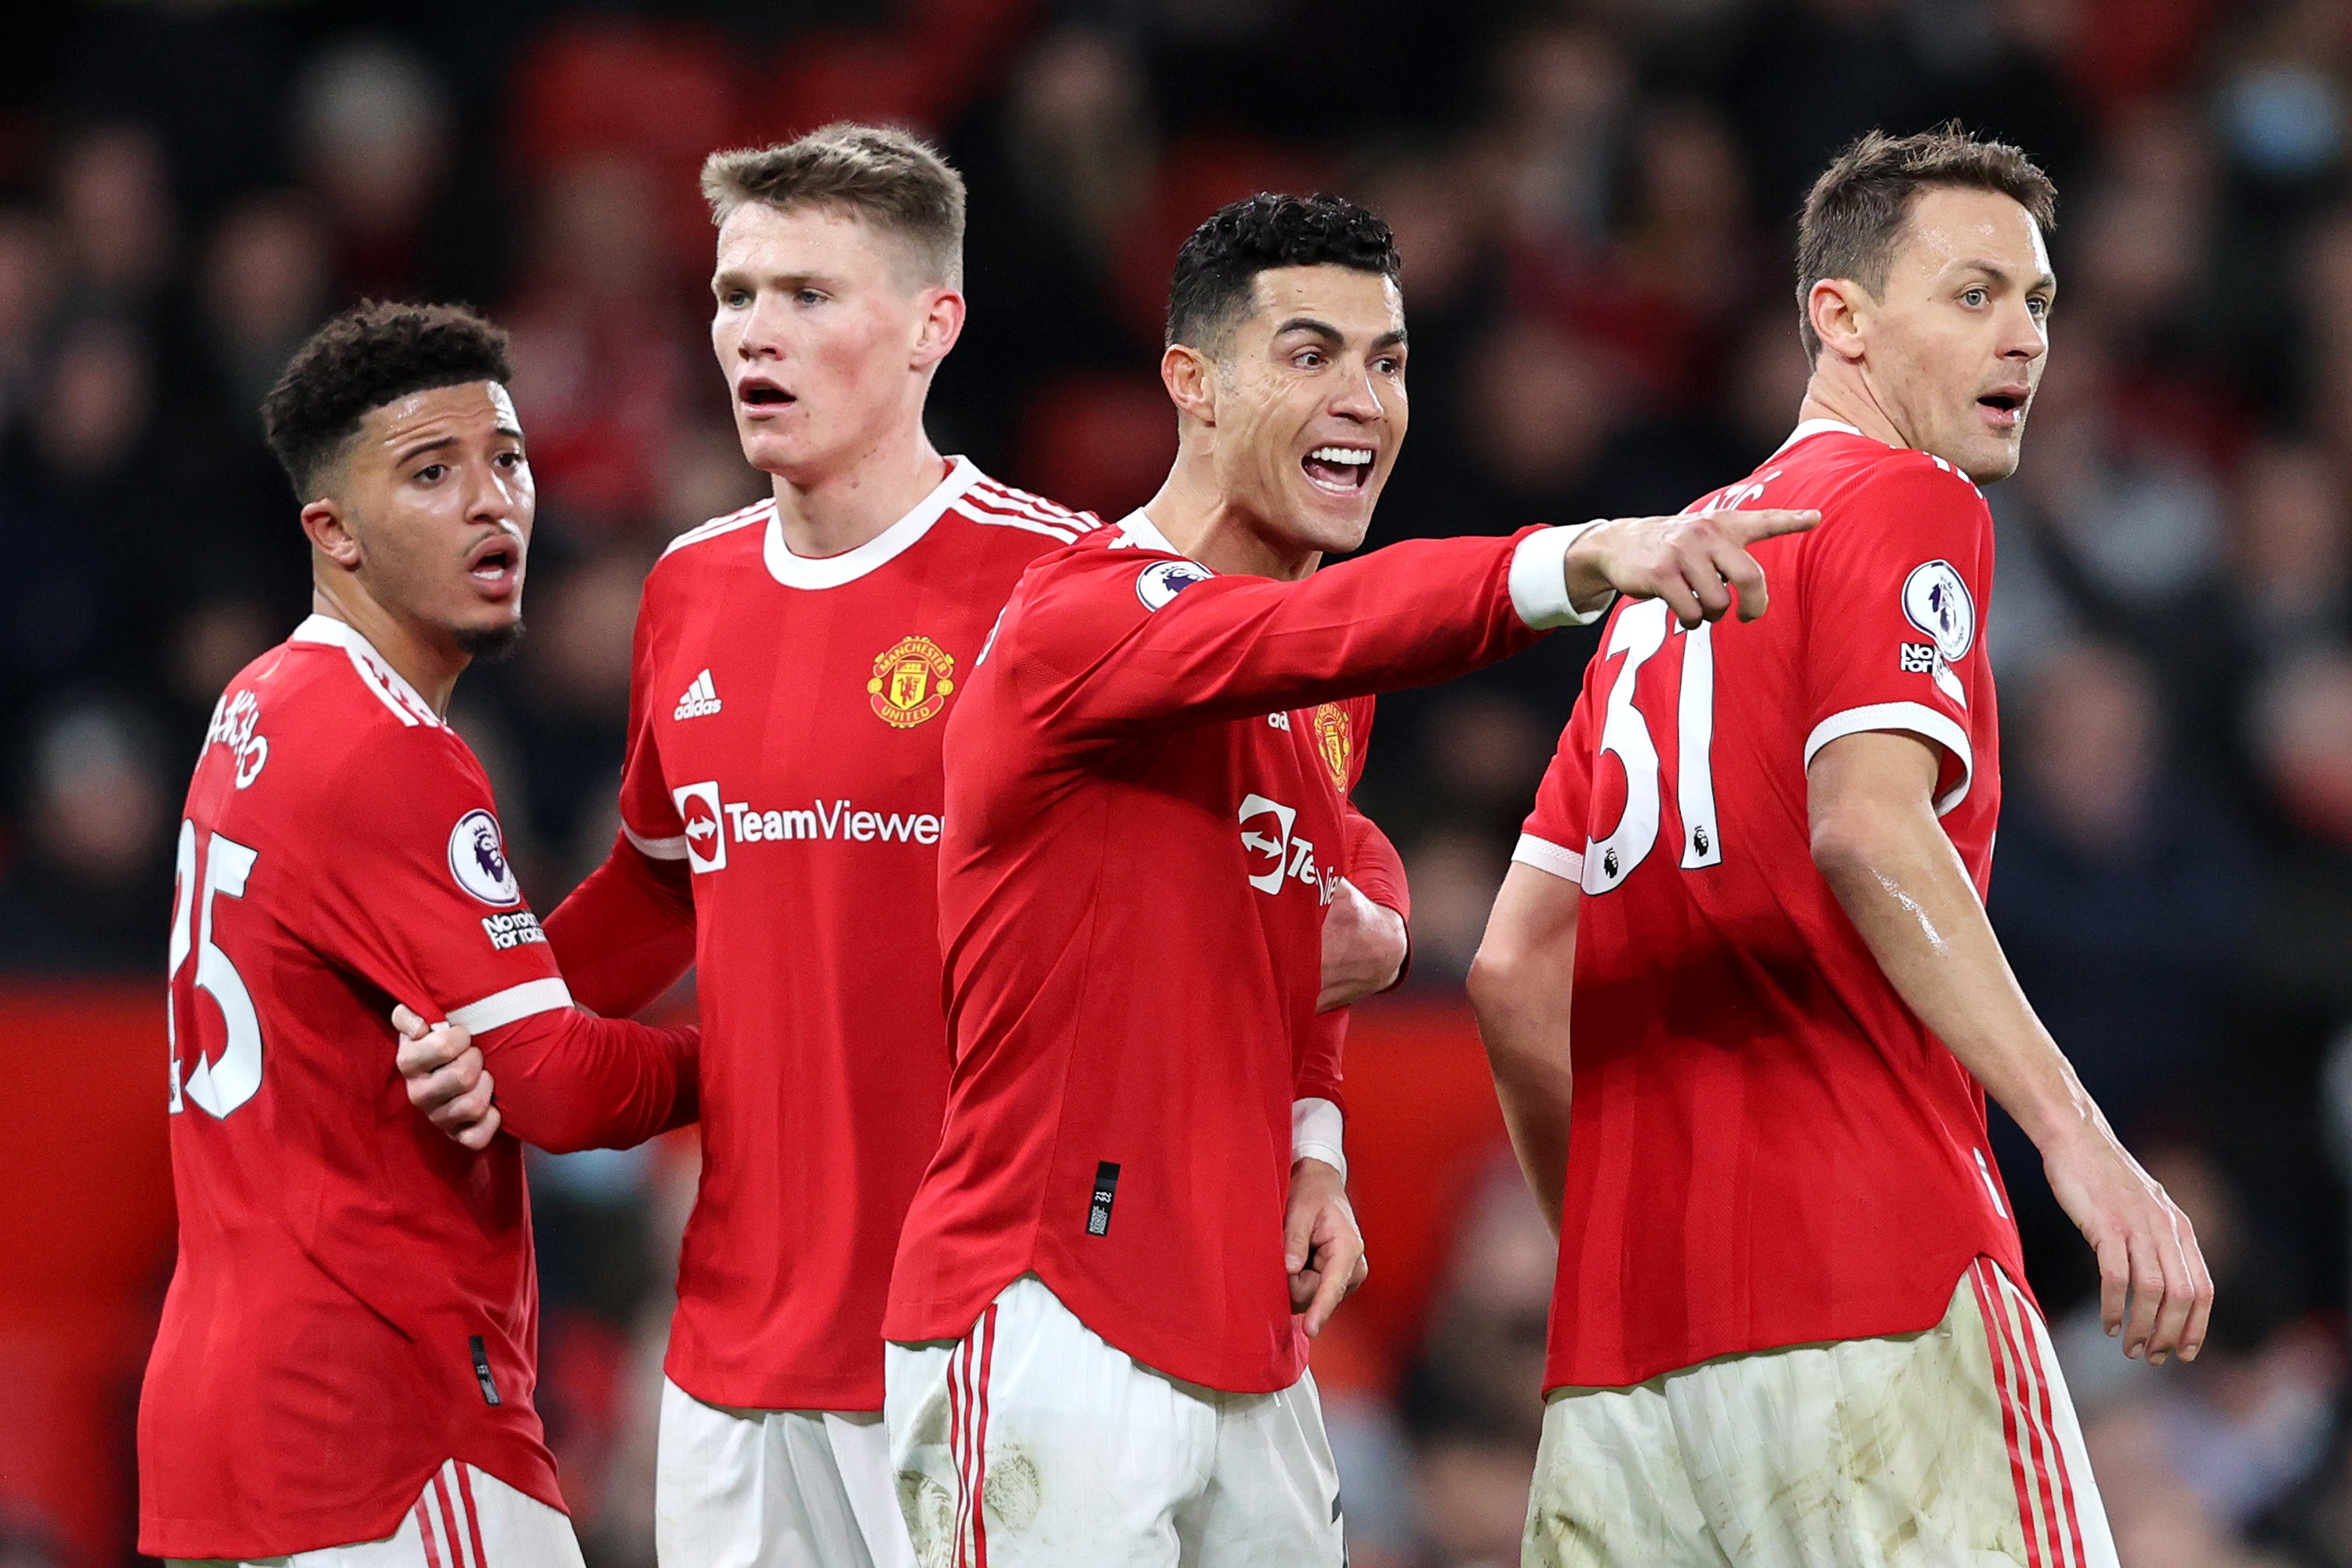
[
  {"x": 649, "y": 813},
  {"x": 1318, "y": 1076},
  {"x": 566, "y": 1080},
  {"x": 1374, "y": 865},
  {"x": 1894, "y": 582},
  {"x": 1111, "y": 640},
  {"x": 417, "y": 897},
  {"x": 1557, "y": 834},
  {"x": 626, "y": 933}
]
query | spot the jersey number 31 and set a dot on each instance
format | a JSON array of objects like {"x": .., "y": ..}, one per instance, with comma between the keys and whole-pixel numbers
[
  {"x": 1639, "y": 634},
  {"x": 222, "y": 1083}
]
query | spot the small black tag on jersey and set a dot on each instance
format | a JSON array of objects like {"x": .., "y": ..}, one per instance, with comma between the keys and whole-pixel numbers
[
  {"x": 482, "y": 1370},
  {"x": 1106, "y": 1189}
]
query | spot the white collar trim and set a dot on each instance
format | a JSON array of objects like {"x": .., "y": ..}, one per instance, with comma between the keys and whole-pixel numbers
[
  {"x": 833, "y": 571},
  {"x": 1810, "y": 428},
  {"x": 1137, "y": 532},
  {"x": 375, "y": 672}
]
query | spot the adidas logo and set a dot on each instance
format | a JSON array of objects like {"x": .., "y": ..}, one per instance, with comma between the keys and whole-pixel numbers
[{"x": 700, "y": 701}]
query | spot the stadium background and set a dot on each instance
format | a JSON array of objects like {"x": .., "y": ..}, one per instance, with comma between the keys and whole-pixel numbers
[{"x": 1593, "y": 204}]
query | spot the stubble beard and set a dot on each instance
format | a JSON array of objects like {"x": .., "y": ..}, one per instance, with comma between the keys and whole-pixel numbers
[{"x": 488, "y": 645}]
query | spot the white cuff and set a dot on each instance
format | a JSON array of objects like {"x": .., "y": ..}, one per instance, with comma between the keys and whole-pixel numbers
[
  {"x": 1559, "y": 859},
  {"x": 516, "y": 1002},
  {"x": 1539, "y": 579},
  {"x": 1316, "y": 1129},
  {"x": 656, "y": 849},
  {"x": 1912, "y": 718}
]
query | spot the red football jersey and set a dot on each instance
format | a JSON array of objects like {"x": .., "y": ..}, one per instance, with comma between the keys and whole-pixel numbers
[
  {"x": 784, "y": 748},
  {"x": 355, "y": 1300},
  {"x": 1145, "y": 819},
  {"x": 1767, "y": 1147}
]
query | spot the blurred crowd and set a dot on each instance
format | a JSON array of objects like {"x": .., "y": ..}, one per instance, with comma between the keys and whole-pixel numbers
[{"x": 1593, "y": 201}]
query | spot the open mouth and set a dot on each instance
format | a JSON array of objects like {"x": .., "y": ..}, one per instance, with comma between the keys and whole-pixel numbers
[
  {"x": 2007, "y": 408},
  {"x": 1342, "y": 470},
  {"x": 758, "y": 393},
  {"x": 497, "y": 563}
]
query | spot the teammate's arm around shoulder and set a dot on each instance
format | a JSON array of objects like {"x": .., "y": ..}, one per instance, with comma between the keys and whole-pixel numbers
[{"x": 1878, "y": 841}]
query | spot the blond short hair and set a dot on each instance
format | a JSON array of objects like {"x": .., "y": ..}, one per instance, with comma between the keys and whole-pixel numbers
[{"x": 892, "y": 179}]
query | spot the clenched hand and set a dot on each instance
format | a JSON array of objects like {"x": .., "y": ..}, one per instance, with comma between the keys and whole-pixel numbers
[{"x": 446, "y": 1080}]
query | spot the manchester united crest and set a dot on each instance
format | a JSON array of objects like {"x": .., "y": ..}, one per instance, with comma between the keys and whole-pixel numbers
[
  {"x": 911, "y": 682},
  {"x": 1335, "y": 742}
]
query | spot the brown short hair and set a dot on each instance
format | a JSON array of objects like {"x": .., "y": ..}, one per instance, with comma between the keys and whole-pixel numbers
[
  {"x": 1856, "y": 212},
  {"x": 895, "y": 182}
]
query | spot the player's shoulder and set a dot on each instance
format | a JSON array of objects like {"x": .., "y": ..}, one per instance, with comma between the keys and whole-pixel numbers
[
  {"x": 991, "y": 516},
  {"x": 1846, "y": 468},
  {"x": 720, "y": 540},
  {"x": 323, "y": 718}
]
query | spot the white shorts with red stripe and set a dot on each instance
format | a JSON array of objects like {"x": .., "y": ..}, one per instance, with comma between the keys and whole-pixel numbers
[
  {"x": 465, "y": 1518},
  {"x": 774, "y": 1489},
  {"x": 1031, "y": 1443},
  {"x": 1956, "y": 1446}
]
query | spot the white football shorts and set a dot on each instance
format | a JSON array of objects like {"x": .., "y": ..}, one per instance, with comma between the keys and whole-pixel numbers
[
  {"x": 1956, "y": 1446},
  {"x": 465, "y": 1518},
  {"x": 774, "y": 1489},
  {"x": 1031, "y": 1443}
]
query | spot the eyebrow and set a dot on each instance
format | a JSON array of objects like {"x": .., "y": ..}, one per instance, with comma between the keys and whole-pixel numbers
[
  {"x": 1994, "y": 269},
  {"x": 787, "y": 281},
  {"x": 1326, "y": 331},
  {"x": 411, "y": 454}
]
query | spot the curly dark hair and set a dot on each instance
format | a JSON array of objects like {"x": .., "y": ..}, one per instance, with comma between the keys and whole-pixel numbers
[
  {"x": 362, "y": 360},
  {"x": 1855, "y": 214},
  {"x": 1211, "y": 290}
]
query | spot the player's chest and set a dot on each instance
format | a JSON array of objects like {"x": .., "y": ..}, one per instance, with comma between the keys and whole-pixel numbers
[
  {"x": 1275, "y": 793},
  {"x": 794, "y": 695}
]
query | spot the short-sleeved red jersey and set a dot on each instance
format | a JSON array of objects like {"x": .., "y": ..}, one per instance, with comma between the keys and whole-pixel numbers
[
  {"x": 355, "y": 1299},
  {"x": 784, "y": 748},
  {"x": 1146, "y": 818},
  {"x": 1767, "y": 1147}
]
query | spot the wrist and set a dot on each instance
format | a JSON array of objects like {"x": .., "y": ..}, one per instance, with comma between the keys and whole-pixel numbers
[
  {"x": 1554, "y": 579},
  {"x": 1584, "y": 568}
]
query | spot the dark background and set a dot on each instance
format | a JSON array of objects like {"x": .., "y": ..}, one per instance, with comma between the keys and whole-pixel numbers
[{"x": 1594, "y": 202}]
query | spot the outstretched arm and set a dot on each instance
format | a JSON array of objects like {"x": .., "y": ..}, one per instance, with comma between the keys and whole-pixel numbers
[
  {"x": 1135, "y": 641},
  {"x": 1877, "y": 841},
  {"x": 1519, "y": 986}
]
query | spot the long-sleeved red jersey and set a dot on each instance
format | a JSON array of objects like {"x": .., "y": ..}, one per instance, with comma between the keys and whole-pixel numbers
[{"x": 1144, "y": 822}]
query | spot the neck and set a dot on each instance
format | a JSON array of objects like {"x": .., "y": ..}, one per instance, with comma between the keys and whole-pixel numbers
[
  {"x": 836, "y": 512},
  {"x": 1840, "y": 392},
  {"x": 429, "y": 662},
  {"x": 1205, "y": 524}
]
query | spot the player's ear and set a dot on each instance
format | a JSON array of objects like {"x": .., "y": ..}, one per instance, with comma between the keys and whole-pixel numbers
[
  {"x": 1838, "y": 307},
  {"x": 1190, "y": 380},
  {"x": 941, "y": 325},
  {"x": 330, "y": 532}
]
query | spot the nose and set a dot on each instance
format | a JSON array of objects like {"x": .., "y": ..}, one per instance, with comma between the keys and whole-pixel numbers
[
  {"x": 499, "y": 496},
  {"x": 2025, "y": 337},
  {"x": 1356, "y": 398},
  {"x": 762, "y": 335}
]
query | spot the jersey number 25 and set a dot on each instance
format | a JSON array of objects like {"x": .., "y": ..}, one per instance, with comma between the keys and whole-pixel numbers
[{"x": 222, "y": 1083}]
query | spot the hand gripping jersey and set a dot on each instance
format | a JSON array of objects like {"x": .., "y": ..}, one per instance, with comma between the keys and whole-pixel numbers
[
  {"x": 784, "y": 761},
  {"x": 1767, "y": 1147},
  {"x": 1144, "y": 823},
  {"x": 354, "y": 1302}
]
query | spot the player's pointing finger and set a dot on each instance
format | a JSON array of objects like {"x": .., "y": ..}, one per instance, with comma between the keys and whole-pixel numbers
[{"x": 1747, "y": 527}]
